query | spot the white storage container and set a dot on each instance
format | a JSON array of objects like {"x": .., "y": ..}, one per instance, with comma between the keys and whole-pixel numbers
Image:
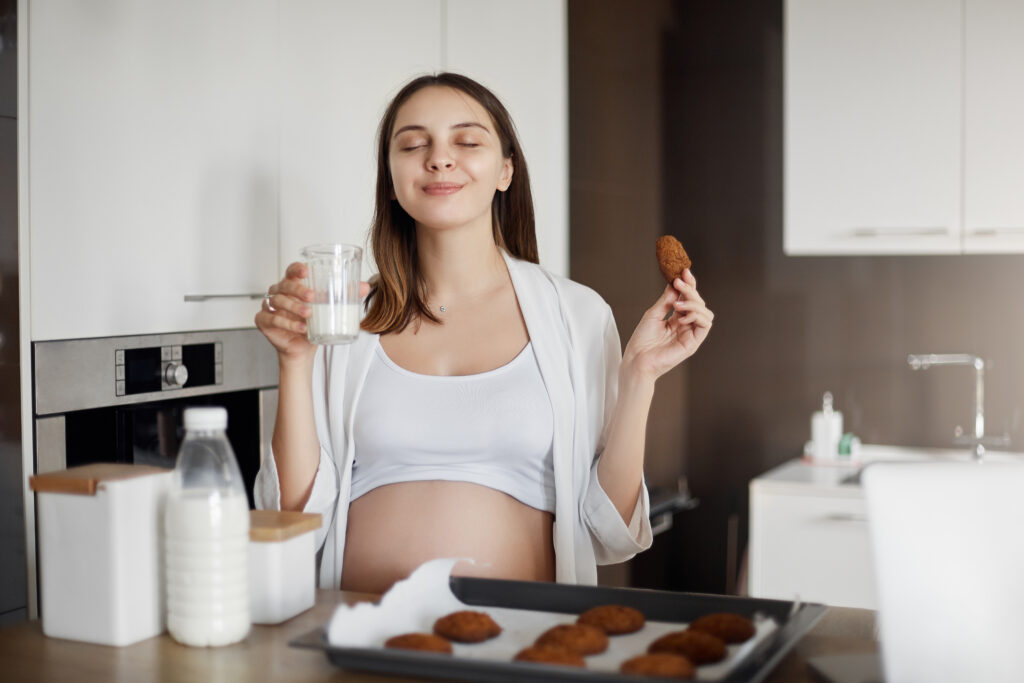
[
  {"x": 282, "y": 564},
  {"x": 100, "y": 553}
]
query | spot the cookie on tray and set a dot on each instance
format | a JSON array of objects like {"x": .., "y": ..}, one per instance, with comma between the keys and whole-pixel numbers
[
  {"x": 613, "y": 619},
  {"x": 659, "y": 665},
  {"x": 697, "y": 646},
  {"x": 467, "y": 626},
  {"x": 732, "y": 628},
  {"x": 424, "y": 642},
  {"x": 580, "y": 638},
  {"x": 550, "y": 654}
]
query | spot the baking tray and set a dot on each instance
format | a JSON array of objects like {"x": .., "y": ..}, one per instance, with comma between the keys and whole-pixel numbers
[{"x": 794, "y": 620}]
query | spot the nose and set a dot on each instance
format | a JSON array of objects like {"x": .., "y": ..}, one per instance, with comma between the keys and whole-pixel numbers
[{"x": 441, "y": 160}]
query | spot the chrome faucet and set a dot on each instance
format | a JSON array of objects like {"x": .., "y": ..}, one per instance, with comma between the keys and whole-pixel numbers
[{"x": 926, "y": 360}]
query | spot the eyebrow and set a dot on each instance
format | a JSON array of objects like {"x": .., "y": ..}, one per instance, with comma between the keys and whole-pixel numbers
[{"x": 467, "y": 124}]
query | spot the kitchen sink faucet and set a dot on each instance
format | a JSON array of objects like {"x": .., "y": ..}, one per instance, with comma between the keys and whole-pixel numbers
[{"x": 924, "y": 361}]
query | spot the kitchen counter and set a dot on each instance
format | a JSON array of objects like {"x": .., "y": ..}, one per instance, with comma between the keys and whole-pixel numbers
[{"x": 28, "y": 655}]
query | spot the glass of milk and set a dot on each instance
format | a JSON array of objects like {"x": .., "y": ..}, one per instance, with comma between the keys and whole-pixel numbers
[{"x": 334, "y": 273}]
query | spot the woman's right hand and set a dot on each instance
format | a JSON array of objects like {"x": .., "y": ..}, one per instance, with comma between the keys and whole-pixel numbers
[{"x": 283, "y": 314}]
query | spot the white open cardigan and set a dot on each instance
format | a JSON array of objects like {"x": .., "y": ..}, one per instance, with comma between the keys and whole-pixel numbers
[{"x": 578, "y": 351}]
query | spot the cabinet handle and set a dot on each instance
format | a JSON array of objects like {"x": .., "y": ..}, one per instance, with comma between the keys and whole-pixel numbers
[
  {"x": 864, "y": 231},
  {"x": 191, "y": 298},
  {"x": 845, "y": 517},
  {"x": 996, "y": 232}
]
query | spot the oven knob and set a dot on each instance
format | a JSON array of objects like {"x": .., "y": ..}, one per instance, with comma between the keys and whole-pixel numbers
[{"x": 176, "y": 374}]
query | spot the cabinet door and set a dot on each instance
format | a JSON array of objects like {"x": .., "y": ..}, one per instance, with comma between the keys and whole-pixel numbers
[
  {"x": 814, "y": 547},
  {"x": 341, "y": 63},
  {"x": 519, "y": 51},
  {"x": 872, "y": 127},
  {"x": 153, "y": 164},
  {"x": 994, "y": 127}
]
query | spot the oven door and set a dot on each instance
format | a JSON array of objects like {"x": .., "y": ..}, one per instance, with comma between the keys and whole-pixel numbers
[{"x": 151, "y": 433}]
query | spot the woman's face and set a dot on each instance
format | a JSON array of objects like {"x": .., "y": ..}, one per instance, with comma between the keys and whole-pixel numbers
[{"x": 445, "y": 159}]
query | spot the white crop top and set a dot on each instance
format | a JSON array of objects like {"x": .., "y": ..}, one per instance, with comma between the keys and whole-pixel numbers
[{"x": 494, "y": 428}]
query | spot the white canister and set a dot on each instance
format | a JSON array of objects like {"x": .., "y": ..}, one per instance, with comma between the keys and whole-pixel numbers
[
  {"x": 282, "y": 564},
  {"x": 100, "y": 556}
]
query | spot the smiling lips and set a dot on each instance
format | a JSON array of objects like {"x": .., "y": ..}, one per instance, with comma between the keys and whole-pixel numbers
[{"x": 440, "y": 189}]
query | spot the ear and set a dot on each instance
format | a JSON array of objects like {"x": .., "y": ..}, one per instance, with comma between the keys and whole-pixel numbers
[{"x": 506, "y": 175}]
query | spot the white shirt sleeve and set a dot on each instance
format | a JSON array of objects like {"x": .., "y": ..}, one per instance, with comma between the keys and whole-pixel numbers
[
  {"x": 324, "y": 494},
  {"x": 614, "y": 540}
]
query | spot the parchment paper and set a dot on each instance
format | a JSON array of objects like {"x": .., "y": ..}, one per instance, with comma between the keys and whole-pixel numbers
[{"x": 413, "y": 605}]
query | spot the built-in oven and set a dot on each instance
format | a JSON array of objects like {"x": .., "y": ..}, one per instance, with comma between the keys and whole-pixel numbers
[{"x": 121, "y": 399}]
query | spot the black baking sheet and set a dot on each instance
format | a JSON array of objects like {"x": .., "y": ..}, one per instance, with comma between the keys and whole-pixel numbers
[{"x": 553, "y": 597}]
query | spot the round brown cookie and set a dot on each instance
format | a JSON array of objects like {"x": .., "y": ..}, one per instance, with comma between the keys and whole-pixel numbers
[
  {"x": 732, "y": 628},
  {"x": 672, "y": 258},
  {"x": 697, "y": 646},
  {"x": 580, "y": 638},
  {"x": 426, "y": 642},
  {"x": 660, "y": 664},
  {"x": 613, "y": 619},
  {"x": 550, "y": 654},
  {"x": 467, "y": 626}
]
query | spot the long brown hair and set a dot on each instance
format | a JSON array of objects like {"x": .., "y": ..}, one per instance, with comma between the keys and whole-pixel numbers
[{"x": 397, "y": 294}]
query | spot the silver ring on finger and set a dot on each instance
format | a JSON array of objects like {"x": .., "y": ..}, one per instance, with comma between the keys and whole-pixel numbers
[{"x": 266, "y": 303}]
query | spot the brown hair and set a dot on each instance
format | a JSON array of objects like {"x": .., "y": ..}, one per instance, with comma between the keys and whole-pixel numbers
[{"x": 397, "y": 292}]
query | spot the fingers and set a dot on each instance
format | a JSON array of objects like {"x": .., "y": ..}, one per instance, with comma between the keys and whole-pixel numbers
[
  {"x": 282, "y": 303},
  {"x": 693, "y": 310},
  {"x": 280, "y": 320},
  {"x": 687, "y": 286},
  {"x": 285, "y": 307},
  {"x": 297, "y": 271},
  {"x": 663, "y": 306}
]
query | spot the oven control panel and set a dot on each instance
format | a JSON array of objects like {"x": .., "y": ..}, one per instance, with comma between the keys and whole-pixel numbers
[{"x": 165, "y": 368}]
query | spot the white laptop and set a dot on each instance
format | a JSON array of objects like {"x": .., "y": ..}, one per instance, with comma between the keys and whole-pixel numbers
[{"x": 948, "y": 544}]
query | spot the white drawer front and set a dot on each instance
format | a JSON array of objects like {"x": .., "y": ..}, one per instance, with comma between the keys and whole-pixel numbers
[{"x": 813, "y": 547}]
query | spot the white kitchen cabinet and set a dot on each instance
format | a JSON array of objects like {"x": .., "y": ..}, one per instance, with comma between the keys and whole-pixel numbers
[
  {"x": 994, "y": 127},
  {"x": 341, "y": 63},
  {"x": 190, "y": 150},
  {"x": 873, "y": 126},
  {"x": 152, "y": 146},
  {"x": 904, "y": 127},
  {"x": 485, "y": 40},
  {"x": 809, "y": 537}
]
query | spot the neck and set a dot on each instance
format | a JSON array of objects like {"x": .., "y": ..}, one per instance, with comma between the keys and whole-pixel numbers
[{"x": 458, "y": 265}]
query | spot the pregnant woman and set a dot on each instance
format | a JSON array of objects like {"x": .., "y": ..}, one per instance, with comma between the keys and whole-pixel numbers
[{"x": 486, "y": 410}]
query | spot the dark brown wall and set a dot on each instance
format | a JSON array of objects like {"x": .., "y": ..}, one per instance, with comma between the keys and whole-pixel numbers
[{"x": 786, "y": 328}]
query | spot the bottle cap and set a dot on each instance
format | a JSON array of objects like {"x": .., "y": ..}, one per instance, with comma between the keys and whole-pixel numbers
[{"x": 206, "y": 418}]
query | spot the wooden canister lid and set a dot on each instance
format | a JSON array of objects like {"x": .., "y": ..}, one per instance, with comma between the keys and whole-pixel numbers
[
  {"x": 84, "y": 479},
  {"x": 280, "y": 525}
]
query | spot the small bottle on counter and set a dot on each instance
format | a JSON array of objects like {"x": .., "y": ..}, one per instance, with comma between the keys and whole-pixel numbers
[{"x": 206, "y": 536}]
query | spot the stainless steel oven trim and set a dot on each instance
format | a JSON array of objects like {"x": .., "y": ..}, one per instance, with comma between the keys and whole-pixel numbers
[
  {"x": 79, "y": 374},
  {"x": 51, "y": 444}
]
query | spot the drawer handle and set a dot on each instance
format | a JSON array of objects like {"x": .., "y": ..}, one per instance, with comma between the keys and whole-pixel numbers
[
  {"x": 191, "y": 298},
  {"x": 865, "y": 231},
  {"x": 845, "y": 517},
  {"x": 996, "y": 232}
]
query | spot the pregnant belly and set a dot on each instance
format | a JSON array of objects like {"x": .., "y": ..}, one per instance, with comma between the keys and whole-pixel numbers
[{"x": 395, "y": 528}]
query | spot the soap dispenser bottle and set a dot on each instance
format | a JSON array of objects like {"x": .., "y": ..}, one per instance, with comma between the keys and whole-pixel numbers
[{"x": 826, "y": 430}]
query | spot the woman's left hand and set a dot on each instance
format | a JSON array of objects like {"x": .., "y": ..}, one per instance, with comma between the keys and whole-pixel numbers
[{"x": 657, "y": 344}]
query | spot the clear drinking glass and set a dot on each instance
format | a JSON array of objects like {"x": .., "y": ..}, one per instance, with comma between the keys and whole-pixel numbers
[{"x": 334, "y": 273}]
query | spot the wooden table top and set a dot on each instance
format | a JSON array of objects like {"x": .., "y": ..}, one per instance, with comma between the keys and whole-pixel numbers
[{"x": 28, "y": 655}]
